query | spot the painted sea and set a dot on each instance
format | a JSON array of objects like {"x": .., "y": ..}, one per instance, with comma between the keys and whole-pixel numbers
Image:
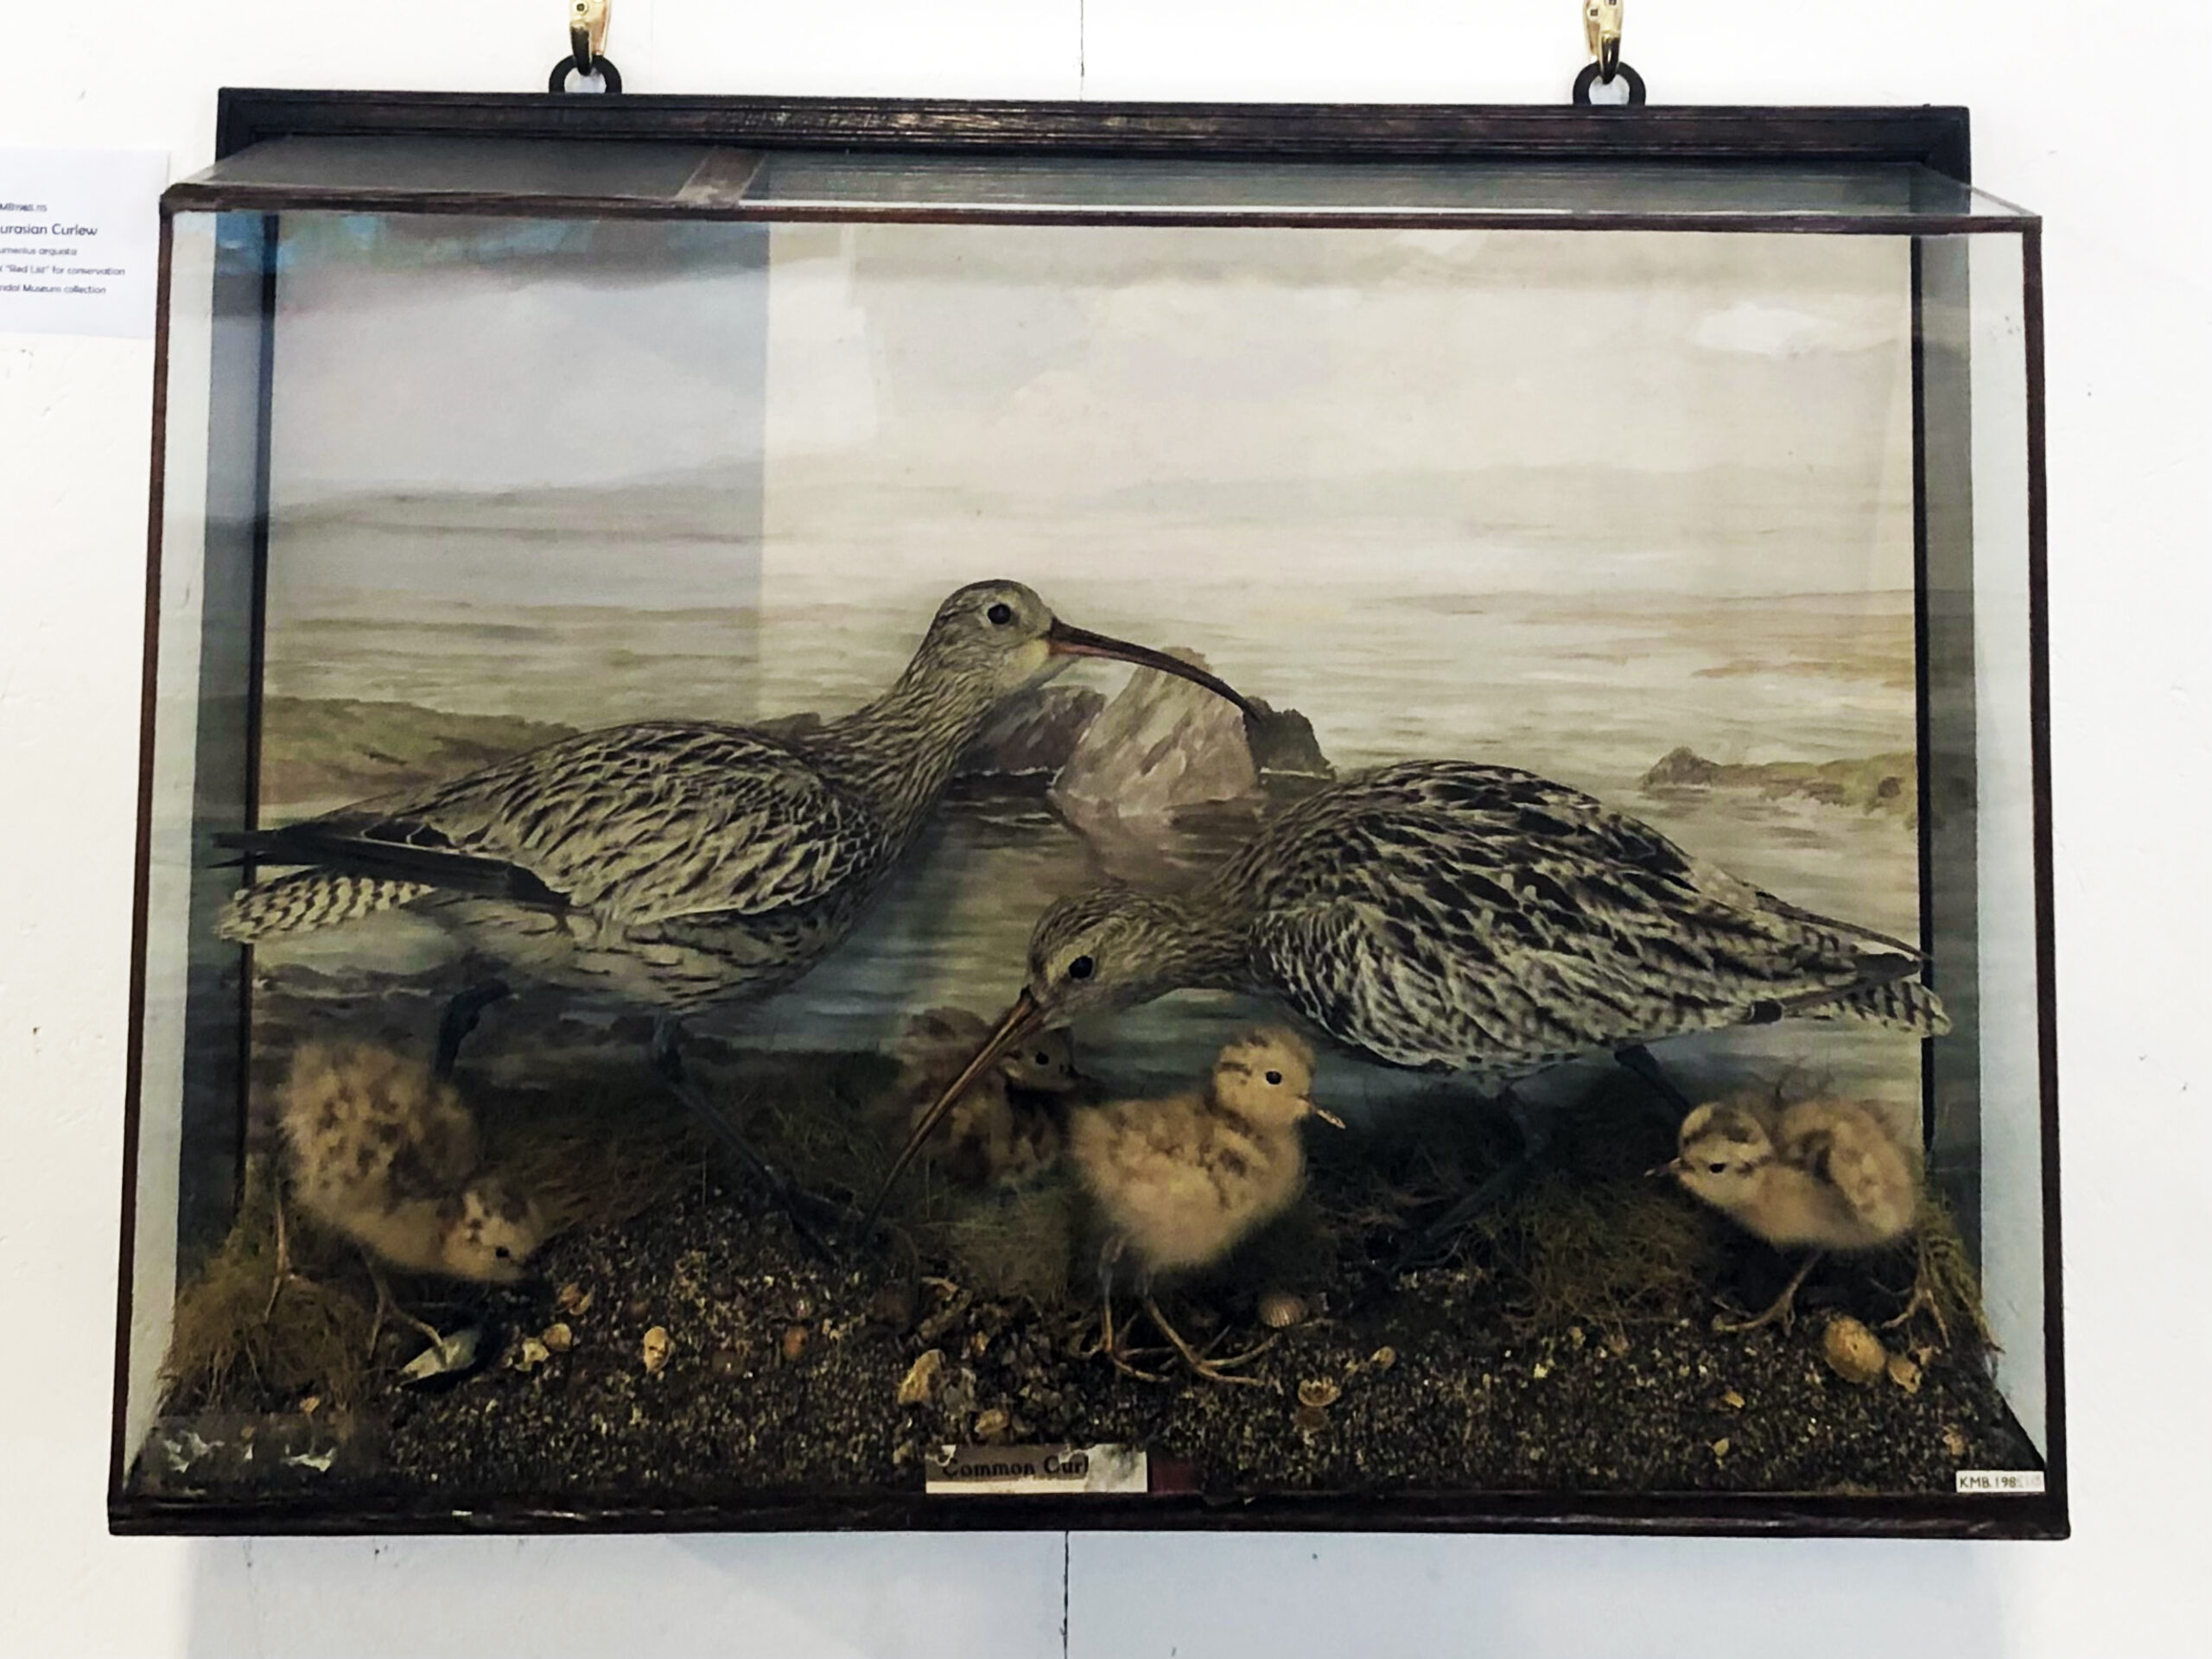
[{"x": 1591, "y": 688}]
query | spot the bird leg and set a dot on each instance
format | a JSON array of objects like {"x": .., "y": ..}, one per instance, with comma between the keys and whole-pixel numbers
[
  {"x": 1108, "y": 1257},
  {"x": 1214, "y": 1370},
  {"x": 799, "y": 1205},
  {"x": 1782, "y": 1308},
  {"x": 1534, "y": 1127},
  {"x": 385, "y": 1304},
  {"x": 283, "y": 1273},
  {"x": 1923, "y": 1298},
  {"x": 1636, "y": 1061},
  {"x": 461, "y": 1016}
]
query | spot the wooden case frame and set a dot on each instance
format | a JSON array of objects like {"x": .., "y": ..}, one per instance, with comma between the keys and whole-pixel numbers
[{"x": 1936, "y": 138}]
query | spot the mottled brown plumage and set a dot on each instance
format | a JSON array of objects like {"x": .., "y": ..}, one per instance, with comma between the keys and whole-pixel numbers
[
  {"x": 1822, "y": 1175},
  {"x": 1182, "y": 1179},
  {"x": 1010, "y": 1126},
  {"x": 677, "y": 864},
  {"x": 385, "y": 1154}
]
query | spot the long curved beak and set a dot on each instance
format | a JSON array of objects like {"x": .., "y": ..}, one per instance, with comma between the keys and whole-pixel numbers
[
  {"x": 1067, "y": 640},
  {"x": 1022, "y": 1020}
]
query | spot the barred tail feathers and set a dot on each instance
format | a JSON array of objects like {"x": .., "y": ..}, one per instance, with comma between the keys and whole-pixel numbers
[
  {"x": 308, "y": 899},
  {"x": 1898, "y": 1004}
]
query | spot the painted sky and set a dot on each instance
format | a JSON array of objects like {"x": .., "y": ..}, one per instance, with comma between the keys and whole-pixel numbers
[{"x": 1689, "y": 412}]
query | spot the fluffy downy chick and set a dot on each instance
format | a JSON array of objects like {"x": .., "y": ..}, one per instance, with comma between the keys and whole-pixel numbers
[
  {"x": 1010, "y": 1127},
  {"x": 1821, "y": 1174},
  {"x": 1181, "y": 1181},
  {"x": 385, "y": 1153}
]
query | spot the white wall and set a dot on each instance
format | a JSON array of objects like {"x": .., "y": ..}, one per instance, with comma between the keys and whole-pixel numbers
[{"x": 2087, "y": 112}]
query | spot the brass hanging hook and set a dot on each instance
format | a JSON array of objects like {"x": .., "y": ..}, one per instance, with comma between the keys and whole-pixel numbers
[
  {"x": 586, "y": 48},
  {"x": 586, "y": 32},
  {"x": 1601, "y": 26}
]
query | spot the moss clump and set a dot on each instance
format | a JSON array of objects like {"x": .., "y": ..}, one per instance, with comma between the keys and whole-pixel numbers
[
  {"x": 230, "y": 1344},
  {"x": 1607, "y": 1253},
  {"x": 1945, "y": 1276}
]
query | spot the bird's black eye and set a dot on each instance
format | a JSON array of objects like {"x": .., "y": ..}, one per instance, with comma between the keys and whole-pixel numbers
[
  {"x": 1043, "y": 1058},
  {"x": 1718, "y": 1169},
  {"x": 1275, "y": 1077},
  {"x": 1082, "y": 968},
  {"x": 502, "y": 1252},
  {"x": 1001, "y": 613}
]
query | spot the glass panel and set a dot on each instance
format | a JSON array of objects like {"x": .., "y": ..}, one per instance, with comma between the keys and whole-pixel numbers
[
  {"x": 1723, "y": 531},
  {"x": 524, "y": 176}
]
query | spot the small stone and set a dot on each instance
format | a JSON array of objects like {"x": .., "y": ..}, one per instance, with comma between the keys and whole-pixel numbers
[
  {"x": 1733, "y": 1399},
  {"x": 1905, "y": 1373},
  {"x": 573, "y": 1300},
  {"x": 993, "y": 1425},
  {"x": 557, "y": 1337},
  {"x": 1854, "y": 1352},
  {"x": 1616, "y": 1344},
  {"x": 728, "y": 1363},
  {"x": 1721, "y": 1446},
  {"x": 802, "y": 1307},
  {"x": 309, "y": 1406},
  {"x": 1954, "y": 1443},
  {"x": 923, "y": 1380},
  {"x": 1540, "y": 1370},
  {"x": 1382, "y": 1358},
  {"x": 655, "y": 1350},
  {"x": 1309, "y": 1420},
  {"x": 1280, "y": 1310},
  {"x": 794, "y": 1342},
  {"x": 530, "y": 1354},
  {"x": 979, "y": 1342},
  {"x": 1319, "y": 1393}
]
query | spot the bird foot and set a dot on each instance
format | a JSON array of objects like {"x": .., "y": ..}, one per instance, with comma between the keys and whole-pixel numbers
[
  {"x": 1782, "y": 1311},
  {"x": 1123, "y": 1358},
  {"x": 1198, "y": 1360},
  {"x": 1921, "y": 1299},
  {"x": 1783, "y": 1308}
]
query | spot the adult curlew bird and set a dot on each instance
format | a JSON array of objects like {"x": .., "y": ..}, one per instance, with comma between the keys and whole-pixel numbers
[
  {"x": 679, "y": 864},
  {"x": 1448, "y": 917}
]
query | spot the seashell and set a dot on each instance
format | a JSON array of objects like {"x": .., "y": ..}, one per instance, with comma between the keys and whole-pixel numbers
[
  {"x": 1319, "y": 1393},
  {"x": 530, "y": 1354},
  {"x": 1854, "y": 1352},
  {"x": 993, "y": 1425},
  {"x": 1280, "y": 1310},
  {"x": 924, "y": 1378},
  {"x": 656, "y": 1349},
  {"x": 557, "y": 1337},
  {"x": 1382, "y": 1358},
  {"x": 573, "y": 1299},
  {"x": 455, "y": 1353},
  {"x": 1721, "y": 1446},
  {"x": 1905, "y": 1373}
]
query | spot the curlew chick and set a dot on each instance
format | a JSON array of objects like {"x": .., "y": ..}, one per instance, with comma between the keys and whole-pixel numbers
[
  {"x": 1182, "y": 1181},
  {"x": 1821, "y": 1175},
  {"x": 384, "y": 1152},
  {"x": 1011, "y": 1125}
]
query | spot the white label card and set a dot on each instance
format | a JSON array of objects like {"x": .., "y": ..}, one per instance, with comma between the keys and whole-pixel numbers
[
  {"x": 79, "y": 231},
  {"x": 968, "y": 1470},
  {"x": 2000, "y": 1480}
]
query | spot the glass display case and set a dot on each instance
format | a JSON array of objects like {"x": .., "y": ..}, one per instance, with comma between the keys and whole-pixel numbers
[{"x": 985, "y": 815}]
